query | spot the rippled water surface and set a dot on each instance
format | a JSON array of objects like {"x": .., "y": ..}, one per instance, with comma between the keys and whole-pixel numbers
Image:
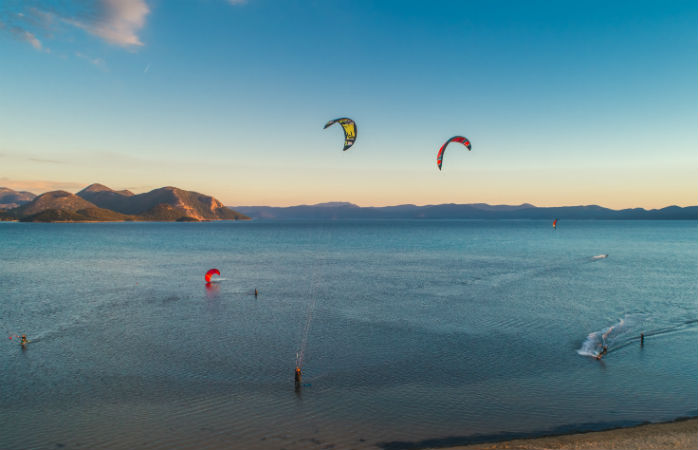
[{"x": 418, "y": 332}]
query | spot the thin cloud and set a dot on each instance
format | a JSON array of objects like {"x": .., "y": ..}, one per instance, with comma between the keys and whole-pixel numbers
[
  {"x": 22, "y": 34},
  {"x": 29, "y": 37},
  {"x": 98, "y": 62},
  {"x": 22, "y": 157},
  {"x": 117, "y": 22},
  {"x": 49, "y": 161},
  {"x": 40, "y": 186}
]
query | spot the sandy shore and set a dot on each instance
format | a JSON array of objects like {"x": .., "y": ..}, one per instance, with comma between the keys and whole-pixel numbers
[{"x": 681, "y": 434}]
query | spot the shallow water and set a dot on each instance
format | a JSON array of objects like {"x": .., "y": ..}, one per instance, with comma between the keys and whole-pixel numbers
[{"x": 418, "y": 332}]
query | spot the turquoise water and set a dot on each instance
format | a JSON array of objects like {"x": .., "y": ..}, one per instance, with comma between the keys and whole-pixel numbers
[{"x": 413, "y": 333}]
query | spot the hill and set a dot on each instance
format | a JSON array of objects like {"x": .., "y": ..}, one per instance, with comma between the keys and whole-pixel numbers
[
  {"x": 57, "y": 200},
  {"x": 105, "y": 197},
  {"x": 98, "y": 203},
  {"x": 178, "y": 203},
  {"x": 12, "y": 199}
]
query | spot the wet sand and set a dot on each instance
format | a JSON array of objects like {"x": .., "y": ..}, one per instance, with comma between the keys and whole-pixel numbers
[{"x": 681, "y": 434}]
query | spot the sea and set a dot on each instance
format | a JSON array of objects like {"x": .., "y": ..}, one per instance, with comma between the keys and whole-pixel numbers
[{"x": 410, "y": 333}]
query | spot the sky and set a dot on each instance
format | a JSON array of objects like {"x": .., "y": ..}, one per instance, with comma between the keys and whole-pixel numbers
[{"x": 565, "y": 103}]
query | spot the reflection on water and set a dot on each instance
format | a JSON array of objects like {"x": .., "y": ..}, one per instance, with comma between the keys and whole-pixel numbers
[
  {"x": 212, "y": 290},
  {"x": 410, "y": 331}
]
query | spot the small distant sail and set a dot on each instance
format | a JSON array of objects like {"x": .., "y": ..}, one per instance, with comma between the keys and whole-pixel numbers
[{"x": 555, "y": 224}]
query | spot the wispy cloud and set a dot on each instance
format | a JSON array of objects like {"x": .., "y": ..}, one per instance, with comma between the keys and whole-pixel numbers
[
  {"x": 99, "y": 62},
  {"x": 39, "y": 186},
  {"x": 22, "y": 157},
  {"x": 22, "y": 34},
  {"x": 117, "y": 22},
  {"x": 29, "y": 37},
  {"x": 48, "y": 161}
]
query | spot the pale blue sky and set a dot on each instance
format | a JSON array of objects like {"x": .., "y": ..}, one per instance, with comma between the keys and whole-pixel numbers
[{"x": 565, "y": 102}]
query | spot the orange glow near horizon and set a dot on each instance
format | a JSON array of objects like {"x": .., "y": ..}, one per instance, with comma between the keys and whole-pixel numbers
[{"x": 466, "y": 181}]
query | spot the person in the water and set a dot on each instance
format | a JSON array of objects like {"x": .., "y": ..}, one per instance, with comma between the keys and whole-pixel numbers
[
  {"x": 24, "y": 340},
  {"x": 297, "y": 378},
  {"x": 600, "y": 354},
  {"x": 255, "y": 293}
]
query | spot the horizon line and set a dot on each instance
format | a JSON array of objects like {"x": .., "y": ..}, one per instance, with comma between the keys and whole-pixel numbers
[
  {"x": 340, "y": 204},
  {"x": 346, "y": 203}
]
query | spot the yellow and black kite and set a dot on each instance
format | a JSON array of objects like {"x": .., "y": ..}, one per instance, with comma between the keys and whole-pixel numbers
[{"x": 349, "y": 127}]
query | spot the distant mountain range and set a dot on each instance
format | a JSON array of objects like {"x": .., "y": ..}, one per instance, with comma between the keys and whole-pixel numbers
[
  {"x": 340, "y": 210},
  {"x": 98, "y": 203}
]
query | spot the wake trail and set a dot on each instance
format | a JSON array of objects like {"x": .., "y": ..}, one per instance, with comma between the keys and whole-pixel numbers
[
  {"x": 624, "y": 333},
  {"x": 539, "y": 270}
]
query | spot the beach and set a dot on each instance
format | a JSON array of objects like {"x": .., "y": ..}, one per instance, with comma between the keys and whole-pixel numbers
[{"x": 679, "y": 434}]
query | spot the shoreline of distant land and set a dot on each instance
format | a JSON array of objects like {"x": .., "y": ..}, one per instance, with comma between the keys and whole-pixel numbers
[
  {"x": 98, "y": 203},
  {"x": 344, "y": 210},
  {"x": 679, "y": 434}
]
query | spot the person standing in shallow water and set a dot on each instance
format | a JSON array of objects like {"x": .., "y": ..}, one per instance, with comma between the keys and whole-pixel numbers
[{"x": 297, "y": 379}]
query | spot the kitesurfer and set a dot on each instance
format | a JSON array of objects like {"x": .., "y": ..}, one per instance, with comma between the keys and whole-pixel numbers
[
  {"x": 602, "y": 353},
  {"x": 255, "y": 293},
  {"x": 642, "y": 339},
  {"x": 23, "y": 342},
  {"x": 297, "y": 378}
]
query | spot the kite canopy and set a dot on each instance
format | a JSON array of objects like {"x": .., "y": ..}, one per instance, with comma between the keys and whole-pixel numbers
[
  {"x": 461, "y": 139},
  {"x": 349, "y": 127},
  {"x": 210, "y": 273}
]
